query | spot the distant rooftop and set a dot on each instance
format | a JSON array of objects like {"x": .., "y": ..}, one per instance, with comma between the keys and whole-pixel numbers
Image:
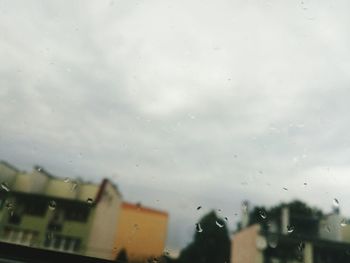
[
  {"x": 139, "y": 207},
  {"x": 9, "y": 165}
]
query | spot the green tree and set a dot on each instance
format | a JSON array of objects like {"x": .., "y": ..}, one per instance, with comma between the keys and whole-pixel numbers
[
  {"x": 303, "y": 218},
  {"x": 211, "y": 245}
]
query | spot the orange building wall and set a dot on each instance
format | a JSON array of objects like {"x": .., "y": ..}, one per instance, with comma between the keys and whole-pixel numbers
[{"x": 141, "y": 231}]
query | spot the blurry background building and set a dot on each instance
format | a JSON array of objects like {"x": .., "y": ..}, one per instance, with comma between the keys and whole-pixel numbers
[
  {"x": 41, "y": 210},
  {"x": 290, "y": 237}
]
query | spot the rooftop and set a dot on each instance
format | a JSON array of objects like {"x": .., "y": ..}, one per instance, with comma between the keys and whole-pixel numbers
[{"x": 139, "y": 207}]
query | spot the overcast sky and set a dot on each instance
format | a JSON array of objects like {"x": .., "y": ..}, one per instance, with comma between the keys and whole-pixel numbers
[{"x": 182, "y": 103}]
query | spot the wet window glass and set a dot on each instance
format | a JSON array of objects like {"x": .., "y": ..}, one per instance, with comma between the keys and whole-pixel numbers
[{"x": 176, "y": 131}]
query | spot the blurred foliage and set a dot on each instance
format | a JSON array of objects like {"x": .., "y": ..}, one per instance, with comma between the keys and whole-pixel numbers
[
  {"x": 209, "y": 246},
  {"x": 303, "y": 218}
]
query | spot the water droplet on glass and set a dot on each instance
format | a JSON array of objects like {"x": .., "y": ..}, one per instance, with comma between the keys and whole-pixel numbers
[
  {"x": 305, "y": 184},
  {"x": 66, "y": 180},
  {"x": 219, "y": 224},
  {"x": 272, "y": 241},
  {"x": 343, "y": 222},
  {"x": 199, "y": 207},
  {"x": 244, "y": 208},
  {"x": 285, "y": 188},
  {"x": 335, "y": 202},
  {"x": 328, "y": 229},
  {"x": 199, "y": 228},
  {"x": 39, "y": 169},
  {"x": 74, "y": 186},
  {"x": 9, "y": 206},
  {"x": 52, "y": 205},
  {"x": 5, "y": 187},
  {"x": 49, "y": 235},
  {"x": 263, "y": 214},
  {"x": 301, "y": 246},
  {"x": 89, "y": 201},
  {"x": 290, "y": 229}
]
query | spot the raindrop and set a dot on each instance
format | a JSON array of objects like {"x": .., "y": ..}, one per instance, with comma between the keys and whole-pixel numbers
[
  {"x": 226, "y": 218},
  {"x": 5, "y": 187},
  {"x": 9, "y": 206},
  {"x": 335, "y": 202},
  {"x": 328, "y": 229},
  {"x": 263, "y": 214},
  {"x": 199, "y": 228},
  {"x": 272, "y": 241},
  {"x": 39, "y": 169},
  {"x": 285, "y": 188},
  {"x": 290, "y": 229},
  {"x": 305, "y": 184},
  {"x": 52, "y": 205},
  {"x": 74, "y": 186},
  {"x": 89, "y": 201},
  {"x": 66, "y": 180},
  {"x": 199, "y": 207},
  {"x": 219, "y": 224},
  {"x": 301, "y": 246},
  {"x": 343, "y": 222},
  {"x": 49, "y": 235},
  {"x": 245, "y": 208}
]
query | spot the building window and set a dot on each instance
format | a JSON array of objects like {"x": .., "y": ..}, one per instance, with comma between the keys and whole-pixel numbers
[
  {"x": 67, "y": 244},
  {"x": 57, "y": 242},
  {"x": 76, "y": 245}
]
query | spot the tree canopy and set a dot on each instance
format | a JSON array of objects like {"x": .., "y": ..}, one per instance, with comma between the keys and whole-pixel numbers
[{"x": 211, "y": 242}]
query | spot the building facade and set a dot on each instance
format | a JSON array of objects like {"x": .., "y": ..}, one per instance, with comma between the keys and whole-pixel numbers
[
  {"x": 326, "y": 240},
  {"x": 40, "y": 210},
  {"x": 141, "y": 232}
]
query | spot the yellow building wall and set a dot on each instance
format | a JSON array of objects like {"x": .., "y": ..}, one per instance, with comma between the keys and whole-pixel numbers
[
  {"x": 141, "y": 232},
  {"x": 244, "y": 247},
  {"x": 7, "y": 174},
  {"x": 345, "y": 233},
  {"x": 59, "y": 188},
  {"x": 34, "y": 182},
  {"x": 87, "y": 191}
]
